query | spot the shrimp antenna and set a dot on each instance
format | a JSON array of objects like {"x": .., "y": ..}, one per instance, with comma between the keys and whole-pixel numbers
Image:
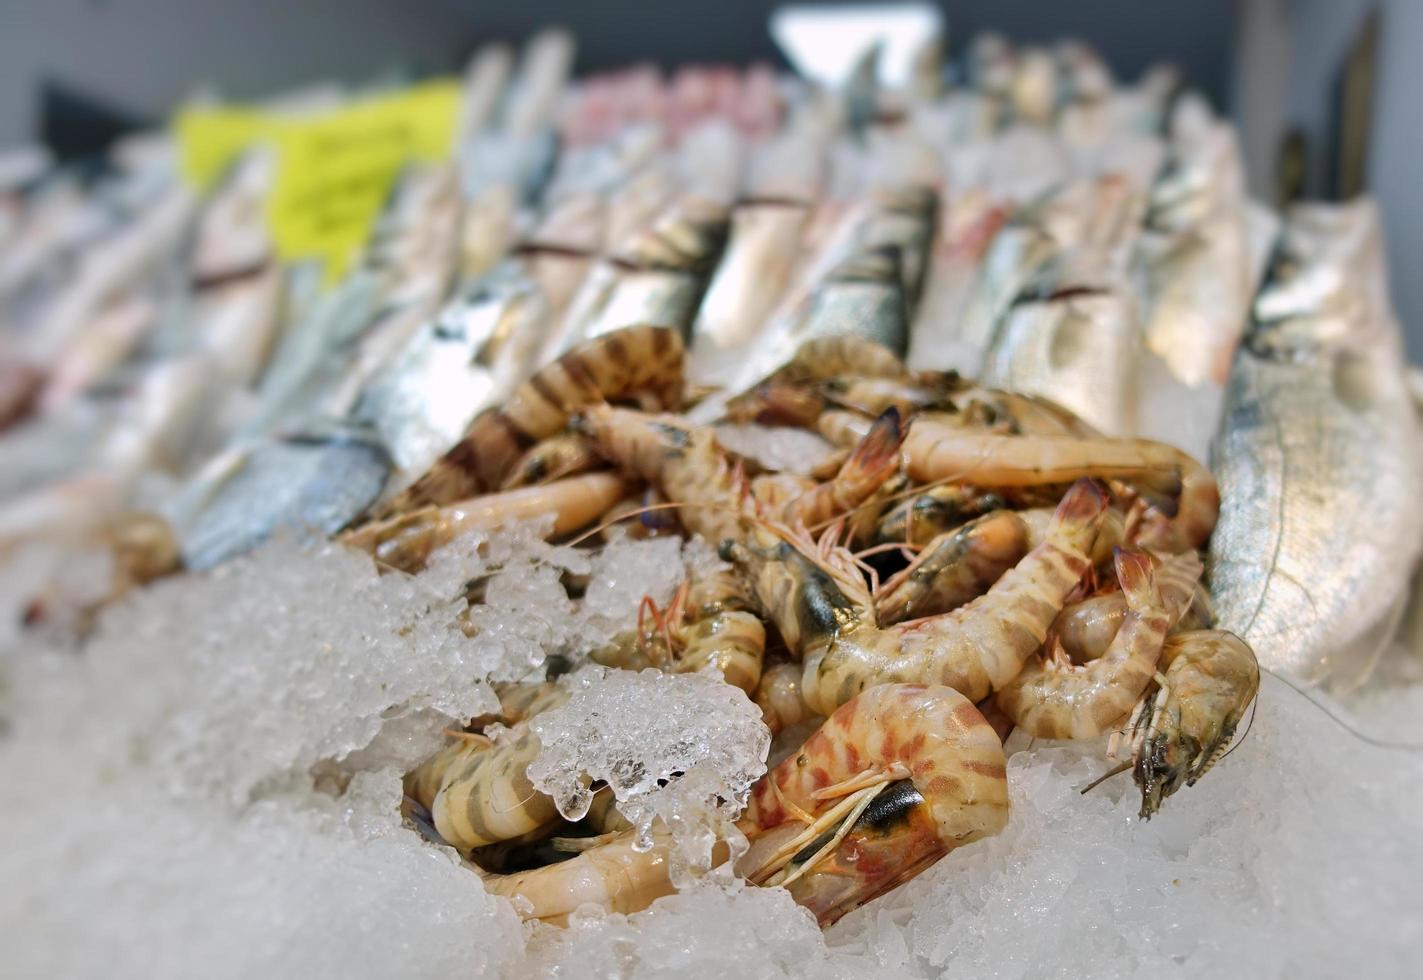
[
  {"x": 904, "y": 494},
  {"x": 1115, "y": 770},
  {"x": 1329, "y": 713},
  {"x": 1249, "y": 724},
  {"x": 670, "y": 505}
]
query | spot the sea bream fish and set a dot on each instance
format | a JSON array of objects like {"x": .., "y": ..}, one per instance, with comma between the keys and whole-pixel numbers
[{"x": 1318, "y": 459}]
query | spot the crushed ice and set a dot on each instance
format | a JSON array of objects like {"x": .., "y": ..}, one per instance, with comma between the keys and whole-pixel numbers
[
  {"x": 161, "y": 817},
  {"x": 684, "y": 748}
]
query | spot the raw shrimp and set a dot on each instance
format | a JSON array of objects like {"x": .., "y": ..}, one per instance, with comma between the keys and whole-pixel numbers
[
  {"x": 778, "y": 697},
  {"x": 823, "y": 358},
  {"x": 873, "y": 396},
  {"x": 477, "y": 793},
  {"x": 1182, "y": 729},
  {"x": 1054, "y": 699},
  {"x": 954, "y": 568},
  {"x": 521, "y": 700},
  {"x": 777, "y": 403},
  {"x": 566, "y": 454},
  {"x": 873, "y": 461},
  {"x": 894, "y": 779},
  {"x": 1085, "y": 629},
  {"x": 631, "y": 516},
  {"x": 843, "y": 427},
  {"x": 632, "y": 363},
  {"x": 1195, "y": 517},
  {"x": 683, "y": 461},
  {"x": 774, "y": 492},
  {"x": 406, "y": 540},
  {"x": 939, "y": 453},
  {"x": 823, "y": 610},
  {"x": 920, "y": 519},
  {"x": 615, "y": 876},
  {"x": 707, "y": 624}
]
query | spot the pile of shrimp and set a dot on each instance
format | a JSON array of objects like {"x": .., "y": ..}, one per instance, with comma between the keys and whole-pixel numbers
[{"x": 963, "y": 562}]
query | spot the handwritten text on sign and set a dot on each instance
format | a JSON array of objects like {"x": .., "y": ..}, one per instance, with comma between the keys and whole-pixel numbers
[{"x": 335, "y": 170}]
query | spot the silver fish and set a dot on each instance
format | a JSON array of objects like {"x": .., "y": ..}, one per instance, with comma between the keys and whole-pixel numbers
[
  {"x": 1024, "y": 243},
  {"x": 764, "y": 246},
  {"x": 863, "y": 296},
  {"x": 1072, "y": 334},
  {"x": 1073, "y": 337},
  {"x": 658, "y": 278},
  {"x": 1196, "y": 252},
  {"x": 761, "y": 253},
  {"x": 906, "y": 218},
  {"x": 318, "y": 481},
  {"x": 470, "y": 357},
  {"x": 1318, "y": 459}
]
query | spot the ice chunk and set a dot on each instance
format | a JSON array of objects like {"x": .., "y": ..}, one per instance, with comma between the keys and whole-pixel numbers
[
  {"x": 785, "y": 449},
  {"x": 296, "y": 654},
  {"x": 683, "y": 747},
  {"x": 623, "y": 572}
]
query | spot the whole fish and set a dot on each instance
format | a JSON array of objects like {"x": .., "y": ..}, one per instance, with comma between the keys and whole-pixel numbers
[
  {"x": 1030, "y": 237},
  {"x": 470, "y": 357},
  {"x": 317, "y": 481},
  {"x": 563, "y": 247},
  {"x": 843, "y": 289},
  {"x": 970, "y": 223},
  {"x": 907, "y": 219},
  {"x": 763, "y": 247},
  {"x": 1074, "y": 338},
  {"x": 657, "y": 279},
  {"x": 1196, "y": 251},
  {"x": 1318, "y": 459},
  {"x": 864, "y": 296},
  {"x": 1072, "y": 334}
]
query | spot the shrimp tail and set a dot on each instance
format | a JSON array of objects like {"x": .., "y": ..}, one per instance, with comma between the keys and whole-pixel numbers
[
  {"x": 1078, "y": 515},
  {"x": 1136, "y": 576},
  {"x": 877, "y": 455}
]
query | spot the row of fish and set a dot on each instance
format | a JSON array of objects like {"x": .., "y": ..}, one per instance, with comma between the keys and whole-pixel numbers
[{"x": 1036, "y": 225}]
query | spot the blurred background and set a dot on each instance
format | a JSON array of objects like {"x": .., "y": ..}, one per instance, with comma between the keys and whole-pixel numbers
[{"x": 1321, "y": 90}]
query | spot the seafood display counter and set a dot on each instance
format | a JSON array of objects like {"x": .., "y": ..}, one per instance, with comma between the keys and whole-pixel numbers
[{"x": 645, "y": 525}]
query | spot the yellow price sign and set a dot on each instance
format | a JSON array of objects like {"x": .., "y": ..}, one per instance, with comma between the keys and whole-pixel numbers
[{"x": 335, "y": 170}]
